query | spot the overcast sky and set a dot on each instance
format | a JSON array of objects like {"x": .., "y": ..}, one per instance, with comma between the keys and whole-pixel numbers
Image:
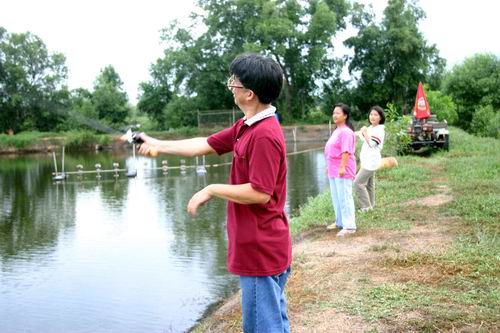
[{"x": 126, "y": 34}]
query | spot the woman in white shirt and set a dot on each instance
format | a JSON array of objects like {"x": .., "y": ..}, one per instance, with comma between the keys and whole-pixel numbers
[{"x": 373, "y": 142}]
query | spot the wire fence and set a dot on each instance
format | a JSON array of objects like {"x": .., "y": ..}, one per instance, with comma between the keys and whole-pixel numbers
[{"x": 218, "y": 118}]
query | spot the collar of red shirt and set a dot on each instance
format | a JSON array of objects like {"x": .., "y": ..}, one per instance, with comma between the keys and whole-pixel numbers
[{"x": 269, "y": 112}]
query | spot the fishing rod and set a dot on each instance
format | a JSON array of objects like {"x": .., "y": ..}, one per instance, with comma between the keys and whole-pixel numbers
[{"x": 132, "y": 136}]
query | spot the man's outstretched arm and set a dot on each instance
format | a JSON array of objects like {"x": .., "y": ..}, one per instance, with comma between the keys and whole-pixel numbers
[{"x": 188, "y": 147}]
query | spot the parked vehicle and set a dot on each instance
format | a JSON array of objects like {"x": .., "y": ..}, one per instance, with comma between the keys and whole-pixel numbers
[
  {"x": 429, "y": 133},
  {"x": 425, "y": 130}
]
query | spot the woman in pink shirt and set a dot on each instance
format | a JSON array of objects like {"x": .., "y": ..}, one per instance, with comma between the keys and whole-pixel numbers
[{"x": 341, "y": 162}]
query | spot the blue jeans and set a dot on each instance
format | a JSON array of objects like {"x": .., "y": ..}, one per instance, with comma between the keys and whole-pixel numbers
[
  {"x": 343, "y": 202},
  {"x": 264, "y": 304}
]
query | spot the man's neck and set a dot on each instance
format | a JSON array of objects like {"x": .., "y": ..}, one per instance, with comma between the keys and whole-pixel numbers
[{"x": 251, "y": 110}]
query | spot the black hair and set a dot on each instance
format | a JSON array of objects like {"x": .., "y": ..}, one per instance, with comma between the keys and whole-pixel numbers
[
  {"x": 347, "y": 111},
  {"x": 260, "y": 74},
  {"x": 380, "y": 112}
]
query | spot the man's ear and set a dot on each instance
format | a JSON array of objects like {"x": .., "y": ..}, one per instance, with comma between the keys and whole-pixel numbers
[{"x": 250, "y": 95}]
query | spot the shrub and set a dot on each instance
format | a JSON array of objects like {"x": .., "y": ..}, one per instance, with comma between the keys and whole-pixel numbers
[
  {"x": 397, "y": 141},
  {"x": 486, "y": 122},
  {"x": 316, "y": 116},
  {"x": 79, "y": 140}
]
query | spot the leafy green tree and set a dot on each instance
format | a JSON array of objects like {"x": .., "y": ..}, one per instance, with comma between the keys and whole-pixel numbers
[
  {"x": 181, "y": 111},
  {"x": 473, "y": 84},
  {"x": 441, "y": 105},
  {"x": 81, "y": 102},
  {"x": 81, "y": 111},
  {"x": 392, "y": 57},
  {"x": 156, "y": 94},
  {"x": 109, "y": 99},
  {"x": 297, "y": 34},
  {"x": 338, "y": 91},
  {"x": 3, "y": 77},
  {"x": 31, "y": 83}
]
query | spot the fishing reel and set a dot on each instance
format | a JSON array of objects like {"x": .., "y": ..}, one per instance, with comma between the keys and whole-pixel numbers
[{"x": 133, "y": 136}]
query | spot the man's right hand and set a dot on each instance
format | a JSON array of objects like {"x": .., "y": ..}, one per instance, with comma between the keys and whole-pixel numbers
[{"x": 148, "y": 150}]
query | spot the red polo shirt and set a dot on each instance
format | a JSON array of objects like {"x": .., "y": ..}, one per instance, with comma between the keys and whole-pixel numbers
[{"x": 259, "y": 242}]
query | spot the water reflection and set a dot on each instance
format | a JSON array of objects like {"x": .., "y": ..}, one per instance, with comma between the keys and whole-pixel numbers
[
  {"x": 92, "y": 255},
  {"x": 33, "y": 212}
]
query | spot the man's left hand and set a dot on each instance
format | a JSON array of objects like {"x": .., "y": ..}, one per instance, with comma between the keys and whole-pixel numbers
[{"x": 198, "y": 199}]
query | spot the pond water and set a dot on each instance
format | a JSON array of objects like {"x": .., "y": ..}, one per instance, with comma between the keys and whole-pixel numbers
[{"x": 119, "y": 255}]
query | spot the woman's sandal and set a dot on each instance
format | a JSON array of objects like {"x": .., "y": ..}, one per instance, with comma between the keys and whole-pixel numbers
[{"x": 345, "y": 232}]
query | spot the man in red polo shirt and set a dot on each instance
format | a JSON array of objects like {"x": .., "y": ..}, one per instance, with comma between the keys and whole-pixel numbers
[{"x": 259, "y": 243}]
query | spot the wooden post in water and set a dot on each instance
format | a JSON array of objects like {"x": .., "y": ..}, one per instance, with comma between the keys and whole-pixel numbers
[{"x": 55, "y": 161}]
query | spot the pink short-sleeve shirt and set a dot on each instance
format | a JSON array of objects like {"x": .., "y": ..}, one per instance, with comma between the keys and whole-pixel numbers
[{"x": 343, "y": 140}]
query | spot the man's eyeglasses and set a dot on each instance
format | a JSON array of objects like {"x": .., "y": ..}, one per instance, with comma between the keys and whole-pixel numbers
[{"x": 230, "y": 84}]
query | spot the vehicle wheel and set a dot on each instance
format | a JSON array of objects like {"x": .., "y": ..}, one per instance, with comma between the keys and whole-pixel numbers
[{"x": 446, "y": 144}]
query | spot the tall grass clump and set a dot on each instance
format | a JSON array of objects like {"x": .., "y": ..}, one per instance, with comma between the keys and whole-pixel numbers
[
  {"x": 83, "y": 140},
  {"x": 23, "y": 140},
  {"x": 318, "y": 211}
]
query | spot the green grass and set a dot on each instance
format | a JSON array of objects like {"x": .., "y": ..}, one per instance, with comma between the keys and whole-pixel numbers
[
  {"x": 24, "y": 139},
  {"x": 76, "y": 140},
  {"x": 386, "y": 247},
  {"x": 317, "y": 211},
  {"x": 466, "y": 294},
  {"x": 411, "y": 180},
  {"x": 381, "y": 301},
  {"x": 439, "y": 308}
]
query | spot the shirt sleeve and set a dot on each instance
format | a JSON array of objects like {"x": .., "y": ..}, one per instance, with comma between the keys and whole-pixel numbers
[
  {"x": 347, "y": 142},
  {"x": 376, "y": 136},
  {"x": 222, "y": 142},
  {"x": 265, "y": 160}
]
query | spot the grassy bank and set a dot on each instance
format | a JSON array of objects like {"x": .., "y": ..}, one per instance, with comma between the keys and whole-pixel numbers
[
  {"x": 25, "y": 142},
  {"x": 464, "y": 290},
  {"x": 42, "y": 141}
]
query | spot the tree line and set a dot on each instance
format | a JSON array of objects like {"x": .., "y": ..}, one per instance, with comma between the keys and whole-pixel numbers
[
  {"x": 34, "y": 95},
  {"x": 387, "y": 60}
]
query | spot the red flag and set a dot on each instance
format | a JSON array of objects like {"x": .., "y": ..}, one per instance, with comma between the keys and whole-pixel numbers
[{"x": 422, "y": 110}]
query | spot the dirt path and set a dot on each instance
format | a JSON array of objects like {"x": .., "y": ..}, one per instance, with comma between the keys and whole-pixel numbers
[
  {"x": 327, "y": 271},
  {"x": 331, "y": 269}
]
